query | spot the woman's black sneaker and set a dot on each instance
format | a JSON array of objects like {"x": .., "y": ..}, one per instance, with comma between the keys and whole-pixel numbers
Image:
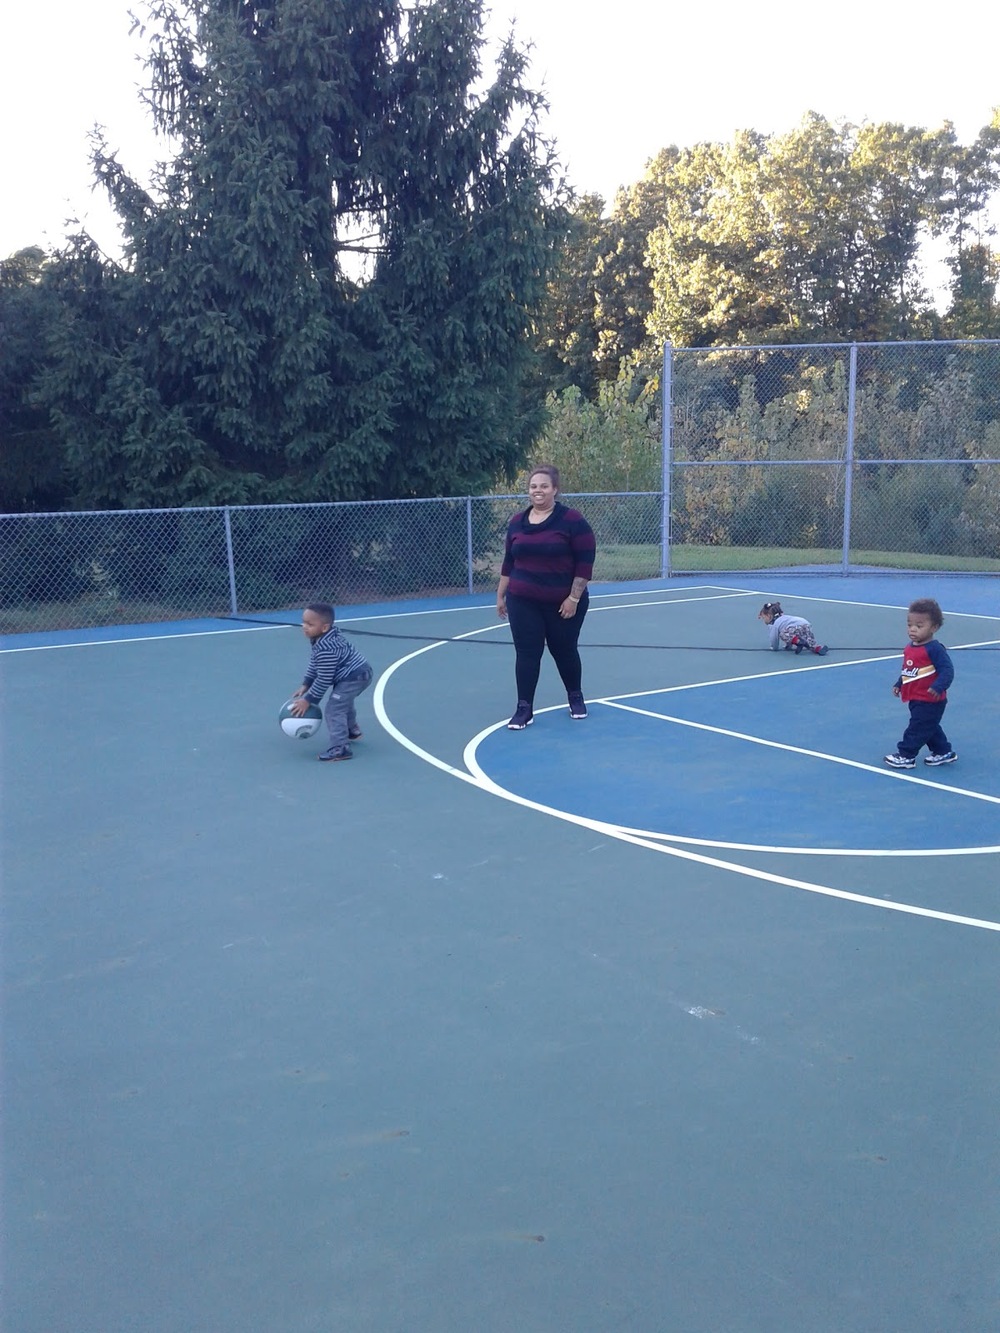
[{"x": 523, "y": 717}]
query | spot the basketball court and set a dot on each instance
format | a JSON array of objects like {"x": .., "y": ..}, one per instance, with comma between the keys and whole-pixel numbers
[{"x": 682, "y": 1017}]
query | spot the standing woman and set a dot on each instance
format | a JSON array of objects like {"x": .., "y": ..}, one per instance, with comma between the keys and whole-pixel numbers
[{"x": 547, "y": 564}]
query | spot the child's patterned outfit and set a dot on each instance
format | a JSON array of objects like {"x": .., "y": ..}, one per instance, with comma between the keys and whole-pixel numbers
[{"x": 795, "y": 634}]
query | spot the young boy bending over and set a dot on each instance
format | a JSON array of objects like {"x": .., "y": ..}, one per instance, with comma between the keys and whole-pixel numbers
[{"x": 334, "y": 665}]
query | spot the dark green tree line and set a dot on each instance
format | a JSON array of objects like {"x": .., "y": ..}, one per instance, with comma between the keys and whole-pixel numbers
[
  {"x": 358, "y": 275},
  {"x": 32, "y": 469},
  {"x": 328, "y": 290}
]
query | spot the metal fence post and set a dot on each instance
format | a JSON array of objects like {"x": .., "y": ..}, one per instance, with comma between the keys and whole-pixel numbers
[
  {"x": 666, "y": 389},
  {"x": 852, "y": 384},
  {"x": 230, "y": 564},
  {"x": 468, "y": 537}
]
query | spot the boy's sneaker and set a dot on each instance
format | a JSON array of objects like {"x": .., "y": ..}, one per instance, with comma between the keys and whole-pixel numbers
[
  {"x": 577, "y": 704},
  {"x": 355, "y": 734},
  {"x": 898, "y": 760},
  {"x": 822, "y": 650},
  {"x": 523, "y": 717},
  {"x": 937, "y": 759},
  {"x": 335, "y": 753}
]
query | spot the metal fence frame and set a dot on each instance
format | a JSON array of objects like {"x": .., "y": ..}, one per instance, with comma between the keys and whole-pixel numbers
[
  {"x": 78, "y": 568},
  {"x": 847, "y": 462}
]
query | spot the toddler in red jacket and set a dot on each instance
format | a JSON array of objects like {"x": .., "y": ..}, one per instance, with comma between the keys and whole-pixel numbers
[{"x": 923, "y": 685}]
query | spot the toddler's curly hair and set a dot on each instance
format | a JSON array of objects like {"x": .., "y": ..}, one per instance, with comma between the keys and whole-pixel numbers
[{"x": 926, "y": 606}]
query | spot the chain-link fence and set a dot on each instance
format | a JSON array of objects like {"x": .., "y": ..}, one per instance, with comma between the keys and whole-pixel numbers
[
  {"x": 835, "y": 458},
  {"x": 59, "y": 571}
]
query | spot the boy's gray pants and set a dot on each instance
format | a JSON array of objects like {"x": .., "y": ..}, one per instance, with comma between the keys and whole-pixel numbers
[{"x": 341, "y": 719}]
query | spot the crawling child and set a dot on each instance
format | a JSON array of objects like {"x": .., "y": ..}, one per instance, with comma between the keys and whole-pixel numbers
[{"x": 792, "y": 633}]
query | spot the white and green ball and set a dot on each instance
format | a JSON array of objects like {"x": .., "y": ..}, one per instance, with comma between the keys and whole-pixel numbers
[{"x": 299, "y": 728}]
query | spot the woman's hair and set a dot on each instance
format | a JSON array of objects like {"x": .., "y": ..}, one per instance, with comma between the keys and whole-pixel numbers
[
  {"x": 926, "y": 606},
  {"x": 550, "y": 471}
]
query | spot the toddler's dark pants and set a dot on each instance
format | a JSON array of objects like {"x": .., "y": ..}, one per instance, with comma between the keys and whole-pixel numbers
[
  {"x": 924, "y": 729},
  {"x": 535, "y": 625}
]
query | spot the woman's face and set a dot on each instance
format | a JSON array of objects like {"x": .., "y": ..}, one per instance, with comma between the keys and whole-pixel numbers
[{"x": 541, "y": 491}]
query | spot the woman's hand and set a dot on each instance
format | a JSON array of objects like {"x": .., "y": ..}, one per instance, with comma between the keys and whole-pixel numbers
[
  {"x": 568, "y": 608},
  {"x": 501, "y": 606}
]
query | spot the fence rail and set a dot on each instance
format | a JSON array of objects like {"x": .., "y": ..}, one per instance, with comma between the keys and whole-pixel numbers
[{"x": 825, "y": 458}]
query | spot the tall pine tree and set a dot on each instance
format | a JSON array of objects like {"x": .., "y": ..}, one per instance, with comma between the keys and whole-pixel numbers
[{"x": 328, "y": 291}]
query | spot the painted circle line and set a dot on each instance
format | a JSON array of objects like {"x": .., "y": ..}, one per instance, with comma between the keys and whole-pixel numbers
[
  {"x": 483, "y": 778},
  {"x": 475, "y": 776}
]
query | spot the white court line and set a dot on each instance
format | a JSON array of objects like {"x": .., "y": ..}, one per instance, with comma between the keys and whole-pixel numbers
[
  {"x": 877, "y": 606},
  {"x": 785, "y": 671},
  {"x": 811, "y": 754},
  {"x": 291, "y": 624},
  {"x": 667, "y": 601},
  {"x": 142, "y": 638},
  {"x": 616, "y": 831},
  {"x": 474, "y": 776},
  {"x": 594, "y": 596},
  {"x": 378, "y": 703}
]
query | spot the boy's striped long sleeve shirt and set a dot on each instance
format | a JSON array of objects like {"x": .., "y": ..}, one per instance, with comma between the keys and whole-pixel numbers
[{"x": 333, "y": 659}]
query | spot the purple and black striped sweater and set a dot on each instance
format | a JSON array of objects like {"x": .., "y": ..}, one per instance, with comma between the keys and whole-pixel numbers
[{"x": 542, "y": 559}]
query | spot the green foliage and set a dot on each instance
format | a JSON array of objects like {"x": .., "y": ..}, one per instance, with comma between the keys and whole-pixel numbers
[
  {"x": 567, "y": 336},
  {"x": 810, "y": 236},
  {"x": 915, "y": 406},
  {"x": 328, "y": 292},
  {"x": 975, "y": 308},
  {"x": 609, "y": 444},
  {"x": 32, "y": 463}
]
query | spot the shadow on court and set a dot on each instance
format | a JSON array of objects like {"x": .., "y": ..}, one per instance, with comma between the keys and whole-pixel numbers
[{"x": 680, "y": 1018}]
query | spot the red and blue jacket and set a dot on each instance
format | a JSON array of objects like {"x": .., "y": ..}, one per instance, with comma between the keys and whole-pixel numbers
[{"x": 926, "y": 667}]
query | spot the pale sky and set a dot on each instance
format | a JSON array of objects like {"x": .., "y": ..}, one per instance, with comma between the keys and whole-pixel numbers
[{"x": 623, "y": 80}]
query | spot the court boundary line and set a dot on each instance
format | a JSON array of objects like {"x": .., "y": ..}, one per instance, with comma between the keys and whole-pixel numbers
[
  {"x": 142, "y": 638},
  {"x": 341, "y": 620},
  {"x": 880, "y": 606},
  {"x": 722, "y": 590},
  {"x": 797, "y": 749},
  {"x": 616, "y": 831},
  {"x": 474, "y": 776}
]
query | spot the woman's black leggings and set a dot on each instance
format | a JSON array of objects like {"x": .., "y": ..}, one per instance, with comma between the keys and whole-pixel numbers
[{"x": 535, "y": 625}]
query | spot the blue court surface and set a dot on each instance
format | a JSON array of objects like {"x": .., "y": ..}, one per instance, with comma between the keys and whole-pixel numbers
[{"x": 679, "y": 1019}]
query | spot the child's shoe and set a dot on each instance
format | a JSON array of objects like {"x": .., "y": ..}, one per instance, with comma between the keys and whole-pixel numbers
[
  {"x": 355, "y": 734},
  {"x": 523, "y": 717},
  {"x": 822, "y": 650},
  {"x": 898, "y": 760},
  {"x": 935, "y": 760},
  {"x": 335, "y": 754},
  {"x": 577, "y": 704}
]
